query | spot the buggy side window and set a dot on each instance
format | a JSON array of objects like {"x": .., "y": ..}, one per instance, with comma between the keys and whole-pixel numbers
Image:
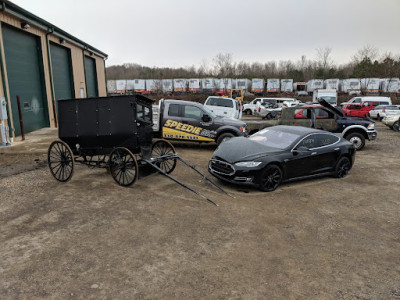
[{"x": 143, "y": 113}]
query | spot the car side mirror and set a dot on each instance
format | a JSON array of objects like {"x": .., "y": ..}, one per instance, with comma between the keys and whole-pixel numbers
[{"x": 206, "y": 118}]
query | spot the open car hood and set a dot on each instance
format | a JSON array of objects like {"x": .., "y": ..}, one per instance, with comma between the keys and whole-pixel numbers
[{"x": 330, "y": 107}]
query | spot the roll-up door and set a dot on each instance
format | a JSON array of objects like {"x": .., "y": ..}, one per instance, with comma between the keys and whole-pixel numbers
[
  {"x": 62, "y": 72},
  {"x": 91, "y": 77},
  {"x": 24, "y": 65}
]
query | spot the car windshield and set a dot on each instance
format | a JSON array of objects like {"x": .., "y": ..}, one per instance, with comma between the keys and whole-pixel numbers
[
  {"x": 224, "y": 102},
  {"x": 209, "y": 112},
  {"x": 274, "y": 138}
]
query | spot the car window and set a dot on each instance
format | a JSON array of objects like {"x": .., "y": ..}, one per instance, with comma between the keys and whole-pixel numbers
[
  {"x": 192, "y": 112},
  {"x": 357, "y": 100},
  {"x": 392, "y": 107},
  {"x": 321, "y": 113},
  {"x": 173, "y": 110},
  {"x": 354, "y": 106},
  {"x": 380, "y": 107},
  {"x": 318, "y": 140}
]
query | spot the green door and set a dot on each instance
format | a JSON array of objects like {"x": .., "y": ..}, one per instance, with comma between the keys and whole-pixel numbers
[
  {"x": 91, "y": 77},
  {"x": 25, "y": 78},
  {"x": 62, "y": 72}
]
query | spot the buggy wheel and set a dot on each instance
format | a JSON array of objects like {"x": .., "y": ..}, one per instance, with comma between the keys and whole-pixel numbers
[
  {"x": 161, "y": 148},
  {"x": 123, "y": 166},
  {"x": 61, "y": 161}
]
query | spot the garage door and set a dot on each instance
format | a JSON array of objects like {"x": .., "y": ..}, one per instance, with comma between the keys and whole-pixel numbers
[
  {"x": 62, "y": 72},
  {"x": 91, "y": 77},
  {"x": 25, "y": 78}
]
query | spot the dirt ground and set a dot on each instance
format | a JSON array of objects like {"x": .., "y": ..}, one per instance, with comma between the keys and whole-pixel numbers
[{"x": 91, "y": 239}]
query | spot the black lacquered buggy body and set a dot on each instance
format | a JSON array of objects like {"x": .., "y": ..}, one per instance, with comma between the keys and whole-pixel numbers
[{"x": 97, "y": 125}]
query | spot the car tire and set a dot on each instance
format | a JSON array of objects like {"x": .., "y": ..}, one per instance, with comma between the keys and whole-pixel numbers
[
  {"x": 343, "y": 167},
  {"x": 396, "y": 126},
  {"x": 248, "y": 112},
  {"x": 271, "y": 177},
  {"x": 379, "y": 118},
  {"x": 224, "y": 137},
  {"x": 268, "y": 117},
  {"x": 357, "y": 139}
]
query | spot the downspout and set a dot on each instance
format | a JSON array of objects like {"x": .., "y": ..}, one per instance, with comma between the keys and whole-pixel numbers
[
  {"x": 105, "y": 74},
  {"x": 84, "y": 69},
  {"x": 50, "y": 31},
  {"x": 3, "y": 78}
]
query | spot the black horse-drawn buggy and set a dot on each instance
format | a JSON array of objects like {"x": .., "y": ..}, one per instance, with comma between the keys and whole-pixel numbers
[{"x": 114, "y": 133}]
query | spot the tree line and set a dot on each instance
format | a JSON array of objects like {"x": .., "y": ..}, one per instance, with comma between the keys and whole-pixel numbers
[{"x": 365, "y": 63}]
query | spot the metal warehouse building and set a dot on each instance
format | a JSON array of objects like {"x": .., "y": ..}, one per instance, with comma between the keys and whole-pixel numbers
[{"x": 42, "y": 64}]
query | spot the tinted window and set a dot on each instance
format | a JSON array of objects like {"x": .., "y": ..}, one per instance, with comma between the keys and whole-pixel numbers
[
  {"x": 318, "y": 140},
  {"x": 353, "y": 106},
  {"x": 220, "y": 102},
  {"x": 357, "y": 100},
  {"x": 173, "y": 110},
  {"x": 192, "y": 112}
]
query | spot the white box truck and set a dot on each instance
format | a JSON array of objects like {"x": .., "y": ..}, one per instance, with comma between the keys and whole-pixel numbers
[
  {"x": 329, "y": 96},
  {"x": 194, "y": 85},
  {"x": 225, "y": 86},
  {"x": 258, "y": 86},
  {"x": 139, "y": 85},
  {"x": 331, "y": 84},
  {"x": 390, "y": 85},
  {"x": 111, "y": 86},
  {"x": 314, "y": 84},
  {"x": 209, "y": 85},
  {"x": 287, "y": 85},
  {"x": 370, "y": 86},
  {"x": 351, "y": 86},
  {"x": 300, "y": 88},
  {"x": 180, "y": 86},
  {"x": 244, "y": 84},
  {"x": 121, "y": 86},
  {"x": 273, "y": 85},
  {"x": 153, "y": 86},
  {"x": 167, "y": 86}
]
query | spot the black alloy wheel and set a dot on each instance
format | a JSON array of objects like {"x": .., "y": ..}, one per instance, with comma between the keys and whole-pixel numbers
[
  {"x": 160, "y": 149},
  {"x": 343, "y": 167},
  {"x": 271, "y": 178},
  {"x": 123, "y": 166},
  {"x": 61, "y": 161}
]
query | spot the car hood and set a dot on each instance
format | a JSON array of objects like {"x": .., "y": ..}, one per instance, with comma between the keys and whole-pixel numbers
[
  {"x": 243, "y": 149},
  {"x": 330, "y": 107}
]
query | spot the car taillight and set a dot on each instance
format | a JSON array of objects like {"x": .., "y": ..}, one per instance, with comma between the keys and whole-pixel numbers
[
  {"x": 259, "y": 109},
  {"x": 383, "y": 110}
]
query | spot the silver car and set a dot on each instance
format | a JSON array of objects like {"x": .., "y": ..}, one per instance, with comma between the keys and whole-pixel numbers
[{"x": 382, "y": 111}]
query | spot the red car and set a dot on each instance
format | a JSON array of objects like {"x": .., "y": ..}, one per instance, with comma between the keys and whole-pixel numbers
[{"x": 357, "y": 110}]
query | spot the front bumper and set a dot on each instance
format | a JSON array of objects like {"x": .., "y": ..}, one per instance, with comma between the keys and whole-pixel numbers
[
  {"x": 372, "y": 134},
  {"x": 237, "y": 176}
]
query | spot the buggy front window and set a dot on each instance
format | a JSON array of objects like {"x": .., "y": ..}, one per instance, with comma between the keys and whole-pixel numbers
[{"x": 143, "y": 113}]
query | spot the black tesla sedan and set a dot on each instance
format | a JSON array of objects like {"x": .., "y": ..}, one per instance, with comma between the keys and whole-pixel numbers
[{"x": 280, "y": 154}]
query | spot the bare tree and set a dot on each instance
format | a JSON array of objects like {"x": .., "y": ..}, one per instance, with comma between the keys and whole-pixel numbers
[
  {"x": 367, "y": 52},
  {"x": 323, "y": 57},
  {"x": 223, "y": 65}
]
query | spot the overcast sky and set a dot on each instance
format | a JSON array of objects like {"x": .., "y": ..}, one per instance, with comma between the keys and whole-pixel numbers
[{"x": 175, "y": 33}]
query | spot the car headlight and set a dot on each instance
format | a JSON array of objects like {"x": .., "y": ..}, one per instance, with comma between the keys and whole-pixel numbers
[
  {"x": 248, "y": 164},
  {"x": 371, "y": 126}
]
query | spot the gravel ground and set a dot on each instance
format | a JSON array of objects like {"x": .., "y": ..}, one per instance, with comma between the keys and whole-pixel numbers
[{"x": 91, "y": 239}]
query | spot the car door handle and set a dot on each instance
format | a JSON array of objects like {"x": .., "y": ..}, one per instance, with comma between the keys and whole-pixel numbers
[
  {"x": 313, "y": 153},
  {"x": 336, "y": 149}
]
